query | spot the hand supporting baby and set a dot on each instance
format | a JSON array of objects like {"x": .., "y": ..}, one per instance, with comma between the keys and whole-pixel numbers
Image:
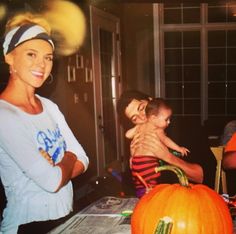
[{"x": 151, "y": 143}]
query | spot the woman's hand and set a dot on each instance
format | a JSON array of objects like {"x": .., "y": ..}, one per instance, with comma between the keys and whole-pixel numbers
[{"x": 46, "y": 156}]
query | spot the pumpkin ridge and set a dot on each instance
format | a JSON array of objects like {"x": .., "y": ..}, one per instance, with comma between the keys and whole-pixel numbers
[
  {"x": 157, "y": 215},
  {"x": 221, "y": 210},
  {"x": 154, "y": 211},
  {"x": 176, "y": 207},
  {"x": 140, "y": 209}
]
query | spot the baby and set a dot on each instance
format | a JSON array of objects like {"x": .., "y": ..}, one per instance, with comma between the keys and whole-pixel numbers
[{"x": 143, "y": 162}]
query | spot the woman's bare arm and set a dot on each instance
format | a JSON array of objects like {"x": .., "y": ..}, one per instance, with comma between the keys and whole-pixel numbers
[{"x": 78, "y": 169}]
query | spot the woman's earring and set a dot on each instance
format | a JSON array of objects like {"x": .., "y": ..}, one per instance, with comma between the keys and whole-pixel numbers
[
  {"x": 49, "y": 79},
  {"x": 13, "y": 70}
]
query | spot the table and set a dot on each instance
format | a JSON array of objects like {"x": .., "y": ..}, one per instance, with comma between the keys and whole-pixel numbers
[{"x": 101, "y": 217}]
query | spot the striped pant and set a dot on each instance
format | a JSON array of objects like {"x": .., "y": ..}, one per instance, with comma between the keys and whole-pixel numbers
[{"x": 143, "y": 173}]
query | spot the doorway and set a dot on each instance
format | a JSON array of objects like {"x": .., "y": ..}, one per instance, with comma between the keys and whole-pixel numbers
[{"x": 105, "y": 34}]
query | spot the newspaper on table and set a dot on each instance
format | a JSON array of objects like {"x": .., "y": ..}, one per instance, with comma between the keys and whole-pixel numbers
[{"x": 101, "y": 217}]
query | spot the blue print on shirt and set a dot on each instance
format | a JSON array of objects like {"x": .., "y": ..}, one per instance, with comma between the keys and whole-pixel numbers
[{"x": 52, "y": 142}]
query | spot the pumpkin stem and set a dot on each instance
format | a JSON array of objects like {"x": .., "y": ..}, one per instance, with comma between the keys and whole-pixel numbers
[
  {"x": 164, "y": 226},
  {"x": 183, "y": 180}
]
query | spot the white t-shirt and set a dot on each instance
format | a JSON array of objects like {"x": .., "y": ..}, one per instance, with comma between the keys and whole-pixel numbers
[{"x": 29, "y": 180}]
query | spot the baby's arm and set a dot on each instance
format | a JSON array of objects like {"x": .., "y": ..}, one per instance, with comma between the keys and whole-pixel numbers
[
  {"x": 171, "y": 144},
  {"x": 131, "y": 132}
]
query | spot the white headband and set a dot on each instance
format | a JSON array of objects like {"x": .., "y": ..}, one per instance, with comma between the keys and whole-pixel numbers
[{"x": 24, "y": 33}]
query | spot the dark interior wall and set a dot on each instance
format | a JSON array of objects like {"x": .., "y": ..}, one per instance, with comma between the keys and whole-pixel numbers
[
  {"x": 137, "y": 47},
  {"x": 137, "y": 50}
]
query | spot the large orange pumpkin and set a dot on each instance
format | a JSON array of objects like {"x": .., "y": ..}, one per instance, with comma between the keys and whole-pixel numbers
[{"x": 194, "y": 209}]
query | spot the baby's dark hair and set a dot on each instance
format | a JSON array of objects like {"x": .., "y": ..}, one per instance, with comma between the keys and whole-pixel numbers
[{"x": 154, "y": 105}]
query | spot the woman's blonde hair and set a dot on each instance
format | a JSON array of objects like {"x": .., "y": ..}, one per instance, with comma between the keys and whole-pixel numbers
[{"x": 27, "y": 18}]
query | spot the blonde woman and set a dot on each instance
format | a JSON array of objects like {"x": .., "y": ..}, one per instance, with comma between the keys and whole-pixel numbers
[{"x": 39, "y": 154}]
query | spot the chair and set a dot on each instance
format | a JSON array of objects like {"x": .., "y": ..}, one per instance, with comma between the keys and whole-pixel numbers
[{"x": 220, "y": 177}]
